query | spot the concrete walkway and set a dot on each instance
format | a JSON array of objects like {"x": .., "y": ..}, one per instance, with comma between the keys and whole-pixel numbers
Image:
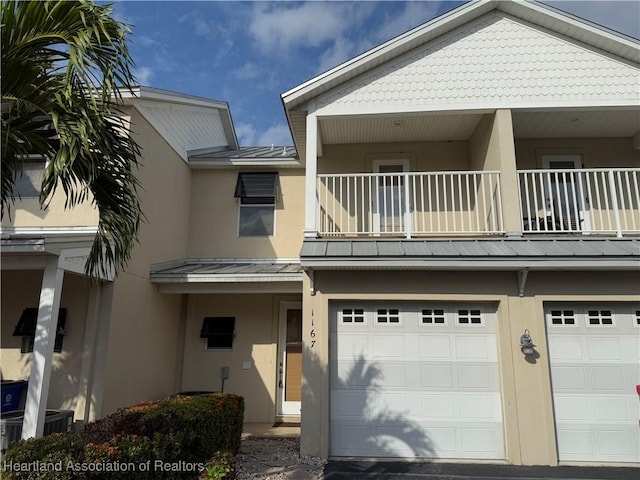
[
  {"x": 384, "y": 470},
  {"x": 267, "y": 430}
]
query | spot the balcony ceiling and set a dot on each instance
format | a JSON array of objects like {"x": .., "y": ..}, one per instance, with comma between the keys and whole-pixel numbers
[{"x": 433, "y": 127}]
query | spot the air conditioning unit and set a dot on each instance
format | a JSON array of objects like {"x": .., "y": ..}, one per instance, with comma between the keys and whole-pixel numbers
[{"x": 55, "y": 421}]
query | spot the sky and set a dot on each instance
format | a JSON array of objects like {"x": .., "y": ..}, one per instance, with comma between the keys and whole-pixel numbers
[{"x": 248, "y": 53}]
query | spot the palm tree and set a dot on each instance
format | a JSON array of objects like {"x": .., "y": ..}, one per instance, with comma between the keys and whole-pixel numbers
[{"x": 64, "y": 65}]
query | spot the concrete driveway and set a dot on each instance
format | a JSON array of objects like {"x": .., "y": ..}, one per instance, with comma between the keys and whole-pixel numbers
[{"x": 383, "y": 470}]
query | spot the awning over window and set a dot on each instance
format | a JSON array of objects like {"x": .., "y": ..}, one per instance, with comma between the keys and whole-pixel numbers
[
  {"x": 213, "y": 326},
  {"x": 26, "y": 326},
  {"x": 257, "y": 185}
]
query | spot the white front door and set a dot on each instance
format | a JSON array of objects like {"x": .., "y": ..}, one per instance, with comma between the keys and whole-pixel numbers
[
  {"x": 388, "y": 204},
  {"x": 566, "y": 197},
  {"x": 290, "y": 359},
  {"x": 594, "y": 355}
]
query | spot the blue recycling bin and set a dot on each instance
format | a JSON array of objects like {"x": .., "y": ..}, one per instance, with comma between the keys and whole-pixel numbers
[{"x": 12, "y": 393}]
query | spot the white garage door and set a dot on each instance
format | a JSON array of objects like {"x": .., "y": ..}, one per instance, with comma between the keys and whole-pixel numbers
[
  {"x": 415, "y": 380},
  {"x": 594, "y": 352}
]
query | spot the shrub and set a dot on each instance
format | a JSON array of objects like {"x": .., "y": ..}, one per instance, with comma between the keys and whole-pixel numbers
[
  {"x": 219, "y": 467},
  {"x": 175, "y": 436},
  {"x": 52, "y": 456}
]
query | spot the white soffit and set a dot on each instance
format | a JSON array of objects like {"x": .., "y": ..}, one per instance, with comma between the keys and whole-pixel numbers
[
  {"x": 576, "y": 123},
  {"x": 185, "y": 127},
  {"x": 418, "y": 128},
  {"x": 495, "y": 61}
]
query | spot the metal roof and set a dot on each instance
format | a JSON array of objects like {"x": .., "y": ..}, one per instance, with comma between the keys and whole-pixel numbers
[
  {"x": 187, "y": 271},
  {"x": 278, "y": 156},
  {"x": 502, "y": 253},
  {"x": 283, "y": 151}
]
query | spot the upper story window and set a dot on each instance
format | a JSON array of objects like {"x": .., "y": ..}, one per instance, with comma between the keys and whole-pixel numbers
[
  {"x": 257, "y": 193},
  {"x": 28, "y": 181}
]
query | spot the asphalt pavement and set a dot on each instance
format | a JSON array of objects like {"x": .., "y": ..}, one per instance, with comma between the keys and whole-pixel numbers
[{"x": 383, "y": 470}]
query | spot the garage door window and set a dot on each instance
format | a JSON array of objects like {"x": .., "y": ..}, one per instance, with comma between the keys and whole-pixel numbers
[
  {"x": 469, "y": 317},
  {"x": 638, "y": 318},
  {"x": 388, "y": 316},
  {"x": 433, "y": 316},
  {"x": 563, "y": 317},
  {"x": 352, "y": 315},
  {"x": 600, "y": 317}
]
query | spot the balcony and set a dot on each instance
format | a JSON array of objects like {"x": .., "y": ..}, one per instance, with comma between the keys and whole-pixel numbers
[
  {"x": 409, "y": 204},
  {"x": 580, "y": 201},
  {"x": 470, "y": 203}
]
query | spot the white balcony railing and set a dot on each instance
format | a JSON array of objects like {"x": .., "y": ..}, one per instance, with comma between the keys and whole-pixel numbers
[
  {"x": 409, "y": 204},
  {"x": 580, "y": 201}
]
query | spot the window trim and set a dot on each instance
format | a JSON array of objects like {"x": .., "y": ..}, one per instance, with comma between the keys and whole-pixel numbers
[
  {"x": 388, "y": 315},
  {"x": 353, "y": 314},
  {"x": 587, "y": 318},
  {"x": 469, "y": 308},
  {"x": 421, "y": 317},
  {"x": 576, "y": 318}
]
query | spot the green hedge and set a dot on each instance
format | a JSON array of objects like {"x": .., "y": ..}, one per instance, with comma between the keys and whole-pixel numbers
[{"x": 169, "y": 439}]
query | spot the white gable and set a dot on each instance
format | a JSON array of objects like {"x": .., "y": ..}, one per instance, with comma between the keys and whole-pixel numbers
[
  {"x": 495, "y": 61},
  {"x": 185, "y": 127}
]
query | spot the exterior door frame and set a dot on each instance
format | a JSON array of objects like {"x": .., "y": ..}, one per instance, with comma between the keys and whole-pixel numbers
[
  {"x": 375, "y": 201},
  {"x": 576, "y": 158},
  {"x": 283, "y": 407}
]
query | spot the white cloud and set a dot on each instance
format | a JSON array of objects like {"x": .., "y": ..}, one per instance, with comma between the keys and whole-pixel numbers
[
  {"x": 145, "y": 41},
  {"x": 246, "y": 134},
  {"x": 248, "y": 71},
  {"x": 622, "y": 16},
  {"x": 341, "y": 50},
  {"x": 414, "y": 14},
  {"x": 275, "y": 135},
  {"x": 277, "y": 28},
  {"x": 201, "y": 27},
  {"x": 144, "y": 75}
]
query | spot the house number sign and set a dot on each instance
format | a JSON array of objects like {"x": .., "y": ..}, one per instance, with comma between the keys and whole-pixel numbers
[{"x": 312, "y": 334}]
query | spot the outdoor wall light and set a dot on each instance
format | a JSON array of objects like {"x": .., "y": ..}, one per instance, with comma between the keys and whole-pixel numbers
[{"x": 526, "y": 344}]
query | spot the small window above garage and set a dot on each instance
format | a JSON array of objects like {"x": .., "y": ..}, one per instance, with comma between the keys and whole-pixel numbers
[{"x": 219, "y": 332}]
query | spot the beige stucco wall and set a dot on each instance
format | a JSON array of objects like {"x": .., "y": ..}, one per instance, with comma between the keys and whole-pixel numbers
[
  {"x": 256, "y": 337},
  {"x": 20, "y": 290},
  {"x": 596, "y": 152},
  {"x": 144, "y": 325},
  {"x": 214, "y": 217},
  {"x": 527, "y": 403},
  {"x": 424, "y": 156}
]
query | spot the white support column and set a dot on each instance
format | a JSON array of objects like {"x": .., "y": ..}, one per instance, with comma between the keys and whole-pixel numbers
[
  {"x": 85, "y": 382},
  {"x": 40, "y": 376},
  {"x": 311, "y": 173}
]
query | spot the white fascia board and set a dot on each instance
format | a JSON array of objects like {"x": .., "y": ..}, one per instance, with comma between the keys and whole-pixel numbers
[
  {"x": 150, "y": 93},
  {"x": 26, "y": 232},
  {"x": 332, "y": 110},
  {"x": 242, "y": 162},
  {"x": 490, "y": 263},
  {"x": 231, "y": 288},
  {"x": 225, "y": 278}
]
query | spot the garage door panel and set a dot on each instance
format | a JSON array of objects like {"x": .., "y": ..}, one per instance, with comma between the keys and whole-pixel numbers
[
  {"x": 435, "y": 347},
  {"x": 612, "y": 409},
  {"x": 485, "y": 407},
  {"x": 436, "y": 376},
  {"x": 390, "y": 404},
  {"x": 478, "y": 442},
  {"x": 388, "y": 346},
  {"x": 610, "y": 378},
  {"x": 477, "y": 377},
  {"x": 599, "y": 349},
  {"x": 439, "y": 405},
  {"x": 351, "y": 345},
  {"x": 616, "y": 442},
  {"x": 570, "y": 378},
  {"x": 476, "y": 347},
  {"x": 572, "y": 407},
  {"x": 352, "y": 373},
  {"x": 566, "y": 348},
  {"x": 352, "y": 404}
]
